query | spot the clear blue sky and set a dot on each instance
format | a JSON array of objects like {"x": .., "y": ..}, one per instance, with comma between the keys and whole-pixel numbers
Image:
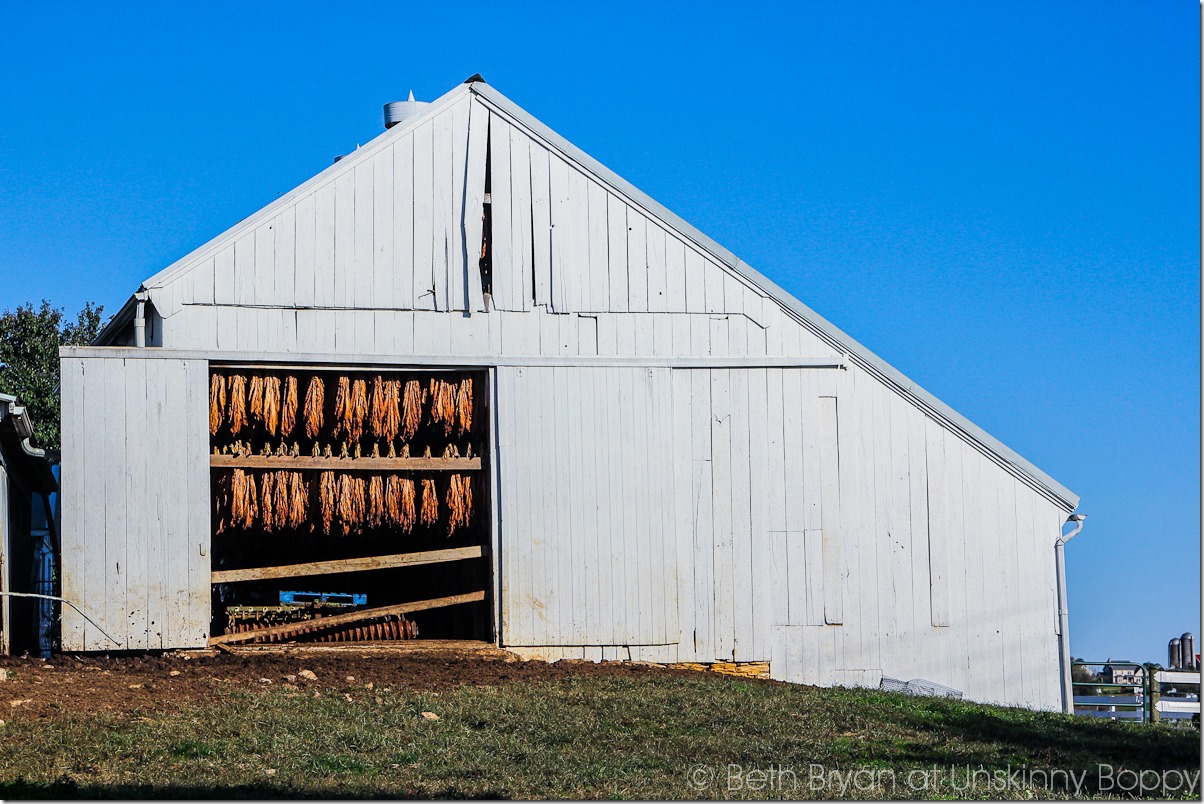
[{"x": 1001, "y": 199}]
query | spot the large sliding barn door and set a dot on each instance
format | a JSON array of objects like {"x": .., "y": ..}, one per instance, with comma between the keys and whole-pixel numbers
[{"x": 587, "y": 541}]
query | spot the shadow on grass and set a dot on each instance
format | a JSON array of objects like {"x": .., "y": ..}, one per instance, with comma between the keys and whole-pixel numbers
[
  {"x": 67, "y": 789},
  {"x": 1003, "y": 740}
]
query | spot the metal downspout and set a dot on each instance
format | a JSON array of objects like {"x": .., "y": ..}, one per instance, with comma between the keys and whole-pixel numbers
[{"x": 1063, "y": 613}]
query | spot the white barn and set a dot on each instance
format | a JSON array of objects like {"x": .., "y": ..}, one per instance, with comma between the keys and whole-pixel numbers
[{"x": 677, "y": 461}]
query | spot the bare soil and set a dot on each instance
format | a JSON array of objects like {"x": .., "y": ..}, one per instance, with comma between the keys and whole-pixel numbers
[{"x": 42, "y": 689}]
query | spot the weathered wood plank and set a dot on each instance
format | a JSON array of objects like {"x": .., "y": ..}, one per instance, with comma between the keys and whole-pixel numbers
[
  {"x": 474, "y": 204},
  {"x": 507, "y": 280},
  {"x": 348, "y": 565},
  {"x": 367, "y": 464}
]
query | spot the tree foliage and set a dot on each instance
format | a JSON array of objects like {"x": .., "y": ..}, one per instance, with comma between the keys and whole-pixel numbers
[{"x": 29, "y": 359}]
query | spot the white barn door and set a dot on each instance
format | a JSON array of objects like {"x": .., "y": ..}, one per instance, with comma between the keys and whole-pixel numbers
[{"x": 587, "y": 540}]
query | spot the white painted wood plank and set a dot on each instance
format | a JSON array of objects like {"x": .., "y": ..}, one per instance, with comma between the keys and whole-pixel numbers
[
  {"x": 899, "y": 515},
  {"x": 721, "y": 469},
  {"x": 938, "y": 525},
  {"x": 304, "y": 251},
  {"x": 400, "y": 267},
  {"x": 507, "y": 279},
  {"x": 1034, "y": 619},
  {"x": 582, "y": 526},
  {"x": 955, "y": 545},
  {"x": 384, "y": 228},
  {"x": 73, "y": 532},
  {"x": 541, "y": 224},
  {"x": 831, "y": 510},
  {"x": 197, "y": 526},
  {"x": 166, "y": 404},
  {"x": 598, "y": 297},
  {"x": 616, "y": 236},
  {"x": 425, "y": 235},
  {"x": 695, "y": 268},
  {"x": 244, "y": 270},
  {"x": 621, "y": 522},
  {"x": 675, "y": 274},
  {"x": 474, "y": 202},
  {"x": 803, "y": 579},
  {"x": 637, "y": 262},
  {"x": 681, "y": 461},
  {"x": 600, "y": 506},
  {"x": 158, "y": 494},
  {"x": 658, "y": 281},
  {"x": 344, "y": 240},
  {"x": 563, "y": 271},
  {"x": 713, "y": 287},
  {"x": 741, "y": 497},
  {"x": 224, "y": 276},
  {"x": 578, "y": 241},
  {"x": 116, "y": 564},
  {"x": 980, "y": 675},
  {"x": 202, "y": 282},
  {"x": 285, "y": 262},
  {"x": 324, "y": 246},
  {"x": 643, "y": 327},
  {"x": 702, "y": 502},
  {"x": 631, "y": 593},
  {"x": 760, "y": 460},
  {"x": 457, "y": 269},
  {"x": 521, "y": 225}
]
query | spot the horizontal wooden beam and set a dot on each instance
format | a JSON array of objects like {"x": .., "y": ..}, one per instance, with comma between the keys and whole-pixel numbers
[
  {"x": 329, "y": 361},
  {"x": 290, "y": 629},
  {"x": 347, "y": 565},
  {"x": 345, "y": 464}
]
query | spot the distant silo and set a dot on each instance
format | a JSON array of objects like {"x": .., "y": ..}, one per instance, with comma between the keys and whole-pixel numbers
[
  {"x": 1187, "y": 650},
  {"x": 1172, "y": 654}
]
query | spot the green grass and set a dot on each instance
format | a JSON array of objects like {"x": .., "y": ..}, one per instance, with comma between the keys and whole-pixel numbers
[{"x": 586, "y": 736}]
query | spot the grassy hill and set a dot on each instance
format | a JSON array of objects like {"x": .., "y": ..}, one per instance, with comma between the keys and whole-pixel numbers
[{"x": 232, "y": 728}]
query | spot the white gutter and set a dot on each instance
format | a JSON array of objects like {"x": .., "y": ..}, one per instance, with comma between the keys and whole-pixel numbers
[{"x": 1064, "y": 614}]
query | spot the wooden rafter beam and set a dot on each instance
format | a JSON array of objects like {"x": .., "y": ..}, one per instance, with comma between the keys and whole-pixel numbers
[
  {"x": 293, "y": 629},
  {"x": 347, "y": 565}
]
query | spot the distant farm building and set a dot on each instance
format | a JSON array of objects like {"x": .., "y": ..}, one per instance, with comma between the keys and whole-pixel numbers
[{"x": 553, "y": 417}]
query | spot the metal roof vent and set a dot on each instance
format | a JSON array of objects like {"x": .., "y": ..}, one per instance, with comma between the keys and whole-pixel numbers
[{"x": 401, "y": 111}]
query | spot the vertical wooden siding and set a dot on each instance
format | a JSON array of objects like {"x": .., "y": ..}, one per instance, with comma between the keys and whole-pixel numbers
[
  {"x": 588, "y": 542},
  {"x": 135, "y": 510},
  {"x": 367, "y": 258}
]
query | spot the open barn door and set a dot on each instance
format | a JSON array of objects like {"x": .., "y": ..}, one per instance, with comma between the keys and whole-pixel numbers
[
  {"x": 348, "y": 504},
  {"x": 588, "y": 553}
]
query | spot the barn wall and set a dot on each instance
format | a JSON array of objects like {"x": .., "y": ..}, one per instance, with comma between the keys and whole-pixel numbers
[
  {"x": 819, "y": 522},
  {"x": 135, "y": 510}
]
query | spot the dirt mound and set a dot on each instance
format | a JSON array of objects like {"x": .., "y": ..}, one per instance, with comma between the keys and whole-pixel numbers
[{"x": 89, "y": 684}]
